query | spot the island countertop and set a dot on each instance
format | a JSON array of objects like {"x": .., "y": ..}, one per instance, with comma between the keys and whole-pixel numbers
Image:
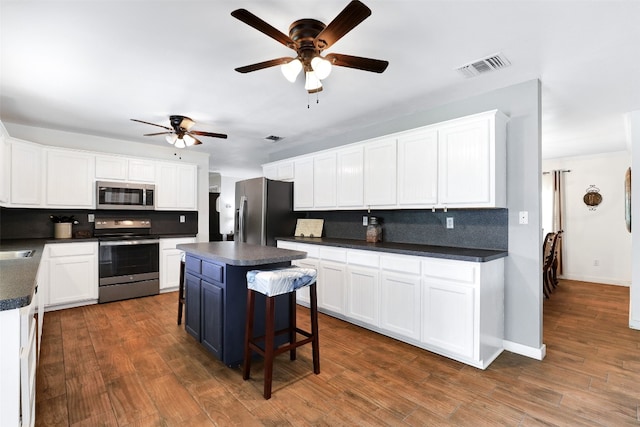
[{"x": 240, "y": 254}]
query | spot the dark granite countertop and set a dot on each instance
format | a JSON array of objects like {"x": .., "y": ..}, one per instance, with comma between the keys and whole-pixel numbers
[
  {"x": 446, "y": 252},
  {"x": 18, "y": 276},
  {"x": 240, "y": 254}
]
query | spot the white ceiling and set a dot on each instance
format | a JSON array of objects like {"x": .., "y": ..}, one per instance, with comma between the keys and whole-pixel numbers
[{"x": 90, "y": 66}]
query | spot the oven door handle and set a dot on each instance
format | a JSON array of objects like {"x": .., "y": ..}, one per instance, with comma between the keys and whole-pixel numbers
[{"x": 130, "y": 242}]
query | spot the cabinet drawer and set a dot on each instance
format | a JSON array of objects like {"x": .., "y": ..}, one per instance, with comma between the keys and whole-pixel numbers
[
  {"x": 212, "y": 271},
  {"x": 313, "y": 251},
  {"x": 71, "y": 249},
  {"x": 331, "y": 254},
  {"x": 402, "y": 264},
  {"x": 455, "y": 271},
  {"x": 193, "y": 265},
  {"x": 365, "y": 258},
  {"x": 287, "y": 245}
]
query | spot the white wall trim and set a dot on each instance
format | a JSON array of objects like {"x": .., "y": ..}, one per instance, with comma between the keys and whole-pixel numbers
[
  {"x": 598, "y": 280},
  {"x": 634, "y": 324},
  {"x": 524, "y": 350}
]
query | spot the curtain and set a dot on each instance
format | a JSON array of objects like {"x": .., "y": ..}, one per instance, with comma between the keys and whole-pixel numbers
[{"x": 558, "y": 211}]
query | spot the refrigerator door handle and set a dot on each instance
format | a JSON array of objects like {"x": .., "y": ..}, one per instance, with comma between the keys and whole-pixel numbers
[{"x": 241, "y": 219}]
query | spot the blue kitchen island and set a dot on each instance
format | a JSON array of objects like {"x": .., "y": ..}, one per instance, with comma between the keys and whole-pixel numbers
[{"x": 216, "y": 293}]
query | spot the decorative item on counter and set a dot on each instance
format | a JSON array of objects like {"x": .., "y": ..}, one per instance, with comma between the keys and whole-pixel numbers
[
  {"x": 592, "y": 198},
  {"x": 62, "y": 226},
  {"x": 374, "y": 230},
  {"x": 309, "y": 228}
]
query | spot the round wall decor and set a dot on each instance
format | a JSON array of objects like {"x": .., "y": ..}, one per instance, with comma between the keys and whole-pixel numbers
[{"x": 592, "y": 198}]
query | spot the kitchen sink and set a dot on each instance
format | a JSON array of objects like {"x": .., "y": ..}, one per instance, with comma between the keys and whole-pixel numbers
[{"x": 16, "y": 254}]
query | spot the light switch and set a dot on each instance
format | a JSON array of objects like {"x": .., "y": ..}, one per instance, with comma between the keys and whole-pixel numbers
[
  {"x": 449, "y": 222},
  {"x": 182, "y": 218},
  {"x": 91, "y": 218},
  {"x": 523, "y": 217}
]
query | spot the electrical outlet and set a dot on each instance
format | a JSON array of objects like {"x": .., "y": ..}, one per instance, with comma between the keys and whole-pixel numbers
[
  {"x": 523, "y": 217},
  {"x": 449, "y": 222},
  {"x": 182, "y": 219},
  {"x": 91, "y": 218},
  {"x": 365, "y": 220}
]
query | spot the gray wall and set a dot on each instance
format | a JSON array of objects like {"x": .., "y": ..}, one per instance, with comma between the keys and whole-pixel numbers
[{"x": 523, "y": 279}]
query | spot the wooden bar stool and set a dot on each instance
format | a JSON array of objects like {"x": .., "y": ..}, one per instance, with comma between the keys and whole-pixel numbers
[
  {"x": 272, "y": 283},
  {"x": 181, "y": 290}
]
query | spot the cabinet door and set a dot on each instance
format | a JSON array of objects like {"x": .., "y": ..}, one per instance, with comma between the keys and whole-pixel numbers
[
  {"x": 465, "y": 164},
  {"x": 170, "y": 258},
  {"x": 303, "y": 184},
  {"x": 111, "y": 167},
  {"x": 324, "y": 181},
  {"x": 26, "y": 177},
  {"x": 192, "y": 305},
  {"x": 380, "y": 173},
  {"x": 4, "y": 169},
  {"x": 211, "y": 326},
  {"x": 302, "y": 295},
  {"x": 69, "y": 179},
  {"x": 400, "y": 304},
  {"x": 351, "y": 177},
  {"x": 362, "y": 294},
  {"x": 448, "y": 317},
  {"x": 270, "y": 171},
  {"x": 285, "y": 171},
  {"x": 331, "y": 284},
  {"x": 141, "y": 170},
  {"x": 176, "y": 186},
  {"x": 418, "y": 168},
  {"x": 72, "y": 279}
]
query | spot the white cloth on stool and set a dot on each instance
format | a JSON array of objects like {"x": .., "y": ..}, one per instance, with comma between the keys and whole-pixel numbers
[{"x": 280, "y": 281}]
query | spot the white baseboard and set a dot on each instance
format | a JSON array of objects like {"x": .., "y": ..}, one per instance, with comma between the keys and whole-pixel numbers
[
  {"x": 600, "y": 280},
  {"x": 634, "y": 324},
  {"x": 524, "y": 350}
]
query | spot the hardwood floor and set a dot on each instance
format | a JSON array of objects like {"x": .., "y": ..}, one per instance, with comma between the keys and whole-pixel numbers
[{"x": 128, "y": 364}]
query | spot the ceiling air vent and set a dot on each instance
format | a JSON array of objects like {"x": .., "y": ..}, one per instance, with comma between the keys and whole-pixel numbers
[
  {"x": 484, "y": 65},
  {"x": 273, "y": 138}
]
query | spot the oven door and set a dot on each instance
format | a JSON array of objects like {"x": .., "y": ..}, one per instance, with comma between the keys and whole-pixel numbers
[{"x": 128, "y": 269}]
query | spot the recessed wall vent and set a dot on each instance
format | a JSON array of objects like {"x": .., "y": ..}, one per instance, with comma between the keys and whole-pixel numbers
[
  {"x": 484, "y": 65},
  {"x": 273, "y": 138}
]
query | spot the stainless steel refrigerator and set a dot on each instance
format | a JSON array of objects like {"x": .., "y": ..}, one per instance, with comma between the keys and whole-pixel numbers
[{"x": 264, "y": 211}]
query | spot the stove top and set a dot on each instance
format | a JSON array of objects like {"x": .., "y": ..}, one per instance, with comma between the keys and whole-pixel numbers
[{"x": 122, "y": 228}]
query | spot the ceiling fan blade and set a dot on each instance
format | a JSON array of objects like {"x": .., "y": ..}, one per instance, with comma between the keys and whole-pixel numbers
[
  {"x": 257, "y": 23},
  {"x": 347, "y": 20},
  {"x": 197, "y": 141},
  {"x": 211, "y": 134},
  {"x": 152, "y": 124},
  {"x": 265, "y": 64},
  {"x": 157, "y": 133},
  {"x": 357, "y": 62}
]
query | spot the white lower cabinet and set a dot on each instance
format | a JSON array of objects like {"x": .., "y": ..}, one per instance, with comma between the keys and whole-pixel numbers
[
  {"x": 73, "y": 273},
  {"x": 170, "y": 259},
  {"x": 400, "y": 307},
  {"x": 448, "y": 317},
  {"x": 453, "y": 308},
  {"x": 20, "y": 339}
]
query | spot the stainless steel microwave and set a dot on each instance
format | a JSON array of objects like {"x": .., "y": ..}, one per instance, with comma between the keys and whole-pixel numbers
[{"x": 124, "y": 195}]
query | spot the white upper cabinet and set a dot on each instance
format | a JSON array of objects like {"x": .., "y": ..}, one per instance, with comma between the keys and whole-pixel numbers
[
  {"x": 279, "y": 171},
  {"x": 380, "y": 172},
  {"x": 418, "y": 168},
  {"x": 351, "y": 177},
  {"x": 26, "y": 174},
  {"x": 4, "y": 168},
  {"x": 303, "y": 184},
  {"x": 324, "y": 180},
  {"x": 124, "y": 169},
  {"x": 460, "y": 163},
  {"x": 176, "y": 186},
  {"x": 472, "y": 162},
  {"x": 69, "y": 182}
]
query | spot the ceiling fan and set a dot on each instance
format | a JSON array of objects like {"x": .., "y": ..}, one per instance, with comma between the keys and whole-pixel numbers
[
  {"x": 309, "y": 38},
  {"x": 180, "y": 133}
]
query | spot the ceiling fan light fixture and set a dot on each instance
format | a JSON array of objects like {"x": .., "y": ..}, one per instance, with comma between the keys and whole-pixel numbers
[
  {"x": 188, "y": 140},
  {"x": 171, "y": 139},
  {"x": 312, "y": 83},
  {"x": 321, "y": 66},
  {"x": 180, "y": 143},
  {"x": 291, "y": 69}
]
